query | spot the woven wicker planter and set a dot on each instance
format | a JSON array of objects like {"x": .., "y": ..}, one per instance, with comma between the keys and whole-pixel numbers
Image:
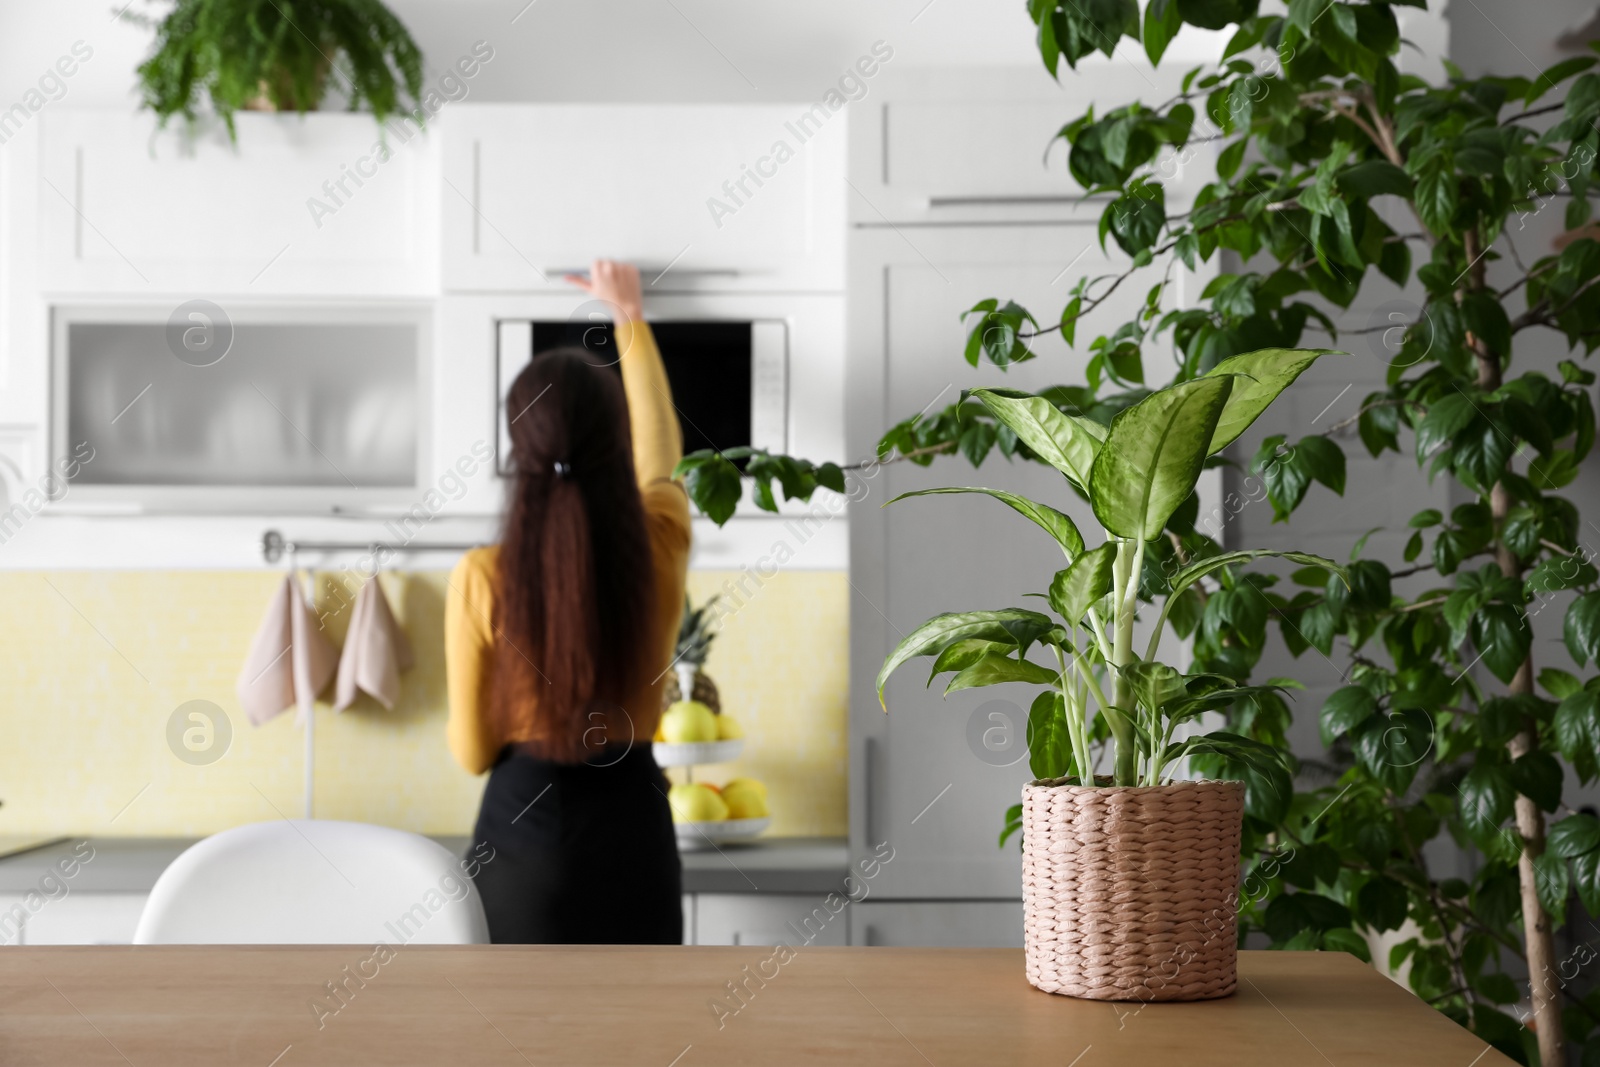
[{"x": 1131, "y": 893}]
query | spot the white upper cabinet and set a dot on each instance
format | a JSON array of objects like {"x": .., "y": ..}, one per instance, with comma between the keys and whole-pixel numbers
[
  {"x": 725, "y": 198},
  {"x": 980, "y": 144},
  {"x": 321, "y": 205}
]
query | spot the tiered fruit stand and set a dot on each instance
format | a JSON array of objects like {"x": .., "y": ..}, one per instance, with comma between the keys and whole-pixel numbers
[{"x": 699, "y": 836}]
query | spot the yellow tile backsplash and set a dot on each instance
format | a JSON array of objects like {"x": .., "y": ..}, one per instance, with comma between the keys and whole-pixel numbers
[{"x": 97, "y": 661}]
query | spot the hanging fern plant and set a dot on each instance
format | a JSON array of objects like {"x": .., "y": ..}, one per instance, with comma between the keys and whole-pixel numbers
[{"x": 279, "y": 55}]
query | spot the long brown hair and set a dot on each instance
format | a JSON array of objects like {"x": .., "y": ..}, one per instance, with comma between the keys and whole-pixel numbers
[{"x": 573, "y": 602}]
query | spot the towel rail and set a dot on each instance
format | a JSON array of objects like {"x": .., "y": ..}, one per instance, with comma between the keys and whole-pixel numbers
[{"x": 274, "y": 545}]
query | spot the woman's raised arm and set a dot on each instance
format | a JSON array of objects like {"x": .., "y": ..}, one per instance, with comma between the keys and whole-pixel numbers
[{"x": 657, "y": 440}]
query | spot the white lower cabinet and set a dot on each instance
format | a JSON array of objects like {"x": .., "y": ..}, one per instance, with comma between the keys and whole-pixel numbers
[
  {"x": 766, "y": 919},
  {"x": 75, "y": 919},
  {"x": 937, "y": 924}
]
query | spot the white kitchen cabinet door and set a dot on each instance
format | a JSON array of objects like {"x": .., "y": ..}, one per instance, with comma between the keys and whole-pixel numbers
[
  {"x": 938, "y": 924},
  {"x": 86, "y": 919},
  {"x": 933, "y": 777},
  {"x": 979, "y": 143},
  {"x": 767, "y": 919},
  {"x": 13, "y": 925},
  {"x": 317, "y": 205},
  {"x": 725, "y": 198}
]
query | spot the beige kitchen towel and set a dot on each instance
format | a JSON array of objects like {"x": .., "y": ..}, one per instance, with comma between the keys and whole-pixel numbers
[
  {"x": 375, "y": 651},
  {"x": 290, "y": 659}
]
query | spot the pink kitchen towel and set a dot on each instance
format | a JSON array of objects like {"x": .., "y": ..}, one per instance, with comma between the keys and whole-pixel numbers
[
  {"x": 290, "y": 660},
  {"x": 375, "y": 651}
]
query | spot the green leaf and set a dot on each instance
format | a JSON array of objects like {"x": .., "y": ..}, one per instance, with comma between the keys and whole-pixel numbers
[
  {"x": 1260, "y": 377},
  {"x": 1558, "y": 683},
  {"x": 1382, "y": 904},
  {"x": 1586, "y": 873},
  {"x": 1553, "y": 471},
  {"x": 1553, "y": 76},
  {"x": 1486, "y": 799},
  {"x": 1200, "y": 568},
  {"x": 1574, "y": 836},
  {"x": 1501, "y": 634},
  {"x": 1153, "y": 455},
  {"x": 1555, "y": 573},
  {"x": 1392, "y": 747},
  {"x": 963, "y": 654},
  {"x": 1216, "y": 14},
  {"x": 1323, "y": 460},
  {"x": 1015, "y": 625},
  {"x": 1446, "y": 417},
  {"x": 1268, "y": 787},
  {"x": 1083, "y": 583},
  {"x": 1581, "y": 628},
  {"x": 1136, "y": 217},
  {"x": 1344, "y": 710},
  {"x": 713, "y": 484},
  {"x": 1047, "y": 518},
  {"x": 1013, "y": 823},
  {"x": 1577, "y": 726},
  {"x": 1154, "y": 684},
  {"x": 1344, "y": 939},
  {"x": 1554, "y": 883},
  {"x": 1375, "y": 177},
  {"x": 1538, "y": 776},
  {"x": 1049, "y": 743},
  {"x": 995, "y": 669},
  {"x": 1303, "y": 14},
  {"x": 1485, "y": 316},
  {"x": 1437, "y": 198},
  {"x": 1066, "y": 442}
]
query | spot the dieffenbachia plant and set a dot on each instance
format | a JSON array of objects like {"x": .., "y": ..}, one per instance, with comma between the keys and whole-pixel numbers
[{"x": 1135, "y": 472}]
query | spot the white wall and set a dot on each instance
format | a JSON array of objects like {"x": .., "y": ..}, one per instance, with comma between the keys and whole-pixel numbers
[{"x": 682, "y": 51}]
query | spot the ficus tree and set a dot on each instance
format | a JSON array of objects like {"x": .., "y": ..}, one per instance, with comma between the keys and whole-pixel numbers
[{"x": 1332, "y": 168}]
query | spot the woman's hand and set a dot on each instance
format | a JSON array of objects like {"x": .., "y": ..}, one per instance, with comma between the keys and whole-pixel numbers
[{"x": 615, "y": 283}]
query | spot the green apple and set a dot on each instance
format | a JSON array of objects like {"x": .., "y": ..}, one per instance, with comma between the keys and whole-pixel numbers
[
  {"x": 688, "y": 722},
  {"x": 693, "y": 802}
]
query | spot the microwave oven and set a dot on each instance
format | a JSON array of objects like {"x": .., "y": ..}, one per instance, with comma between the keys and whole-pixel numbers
[{"x": 729, "y": 377}]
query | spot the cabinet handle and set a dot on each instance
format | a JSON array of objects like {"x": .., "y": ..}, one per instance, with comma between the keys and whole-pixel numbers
[
  {"x": 477, "y": 172},
  {"x": 653, "y": 270},
  {"x": 979, "y": 201},
  {"x": 869, "y": 761}
]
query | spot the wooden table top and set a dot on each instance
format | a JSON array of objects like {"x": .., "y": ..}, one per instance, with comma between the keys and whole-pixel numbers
[{"x": 491, "y": 1005}]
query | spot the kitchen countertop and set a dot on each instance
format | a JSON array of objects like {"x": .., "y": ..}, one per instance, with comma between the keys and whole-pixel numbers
[
  {"x": 515, "y": 1004},
  {"x": 770, "y": 865}
]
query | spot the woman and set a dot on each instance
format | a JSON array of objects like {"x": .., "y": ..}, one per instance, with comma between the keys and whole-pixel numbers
[{"x": 557, "y": 639}]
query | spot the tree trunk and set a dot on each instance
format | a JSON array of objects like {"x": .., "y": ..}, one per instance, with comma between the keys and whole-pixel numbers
[{"x": 1540, "y": 938}]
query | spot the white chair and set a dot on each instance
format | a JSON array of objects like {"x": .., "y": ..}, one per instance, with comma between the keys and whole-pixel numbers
[{"x": 314, "y": 882}]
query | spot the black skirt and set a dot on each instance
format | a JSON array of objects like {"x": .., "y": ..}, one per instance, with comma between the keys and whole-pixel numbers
[{"x": 582, "y": 853}]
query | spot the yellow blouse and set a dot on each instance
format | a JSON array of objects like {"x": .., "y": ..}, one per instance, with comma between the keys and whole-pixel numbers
[{"x": 469, "y": 639}]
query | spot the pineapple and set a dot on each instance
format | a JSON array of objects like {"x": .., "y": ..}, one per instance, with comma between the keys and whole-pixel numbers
[{"x": 695, "y": 634}]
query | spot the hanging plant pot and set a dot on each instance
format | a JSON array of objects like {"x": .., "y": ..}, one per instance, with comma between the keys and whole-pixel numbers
[
  {"x": 1131, "y": 893},
  {"x": 281, "y": 94}
]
